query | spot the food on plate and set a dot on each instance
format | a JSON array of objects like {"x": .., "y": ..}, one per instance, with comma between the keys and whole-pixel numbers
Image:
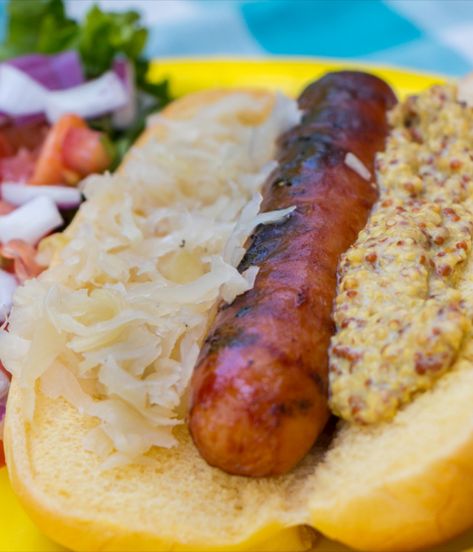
[
  {"x": 259, "y": 390},
  {"x": 42, "y": 127},
  {"x": 71, "y": 104},
  {"x": 146, "y": 260},
  {"x": 404, "y": 309},
  {"x": 70, "y": 152},
  {"x": 149, "y": 255},
  {"x": 103, "y": 343}
]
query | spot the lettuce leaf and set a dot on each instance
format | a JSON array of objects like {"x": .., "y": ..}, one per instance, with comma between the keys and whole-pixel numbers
[{"x": 37, "y": 26}]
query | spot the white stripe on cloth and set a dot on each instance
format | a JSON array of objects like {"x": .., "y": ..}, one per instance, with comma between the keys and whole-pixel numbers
[
  {"x": 460, "y": 39},
  {"x": 433, "y": 15}
]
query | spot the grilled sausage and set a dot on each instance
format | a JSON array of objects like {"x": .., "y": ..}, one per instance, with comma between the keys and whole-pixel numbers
[{"x": 259, "y": 391}]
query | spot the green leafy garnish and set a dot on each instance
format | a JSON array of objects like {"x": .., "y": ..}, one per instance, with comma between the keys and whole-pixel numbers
[
  {"x": 37, "y": 26},
  {"x": 42, "y": 26},
  {"x": 104, "y": 35}
]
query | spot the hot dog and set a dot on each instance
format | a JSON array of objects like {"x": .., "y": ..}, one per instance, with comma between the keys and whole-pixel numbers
[
  {"x": 385, "y": 487},
  {"x": 258, "y": 395}
]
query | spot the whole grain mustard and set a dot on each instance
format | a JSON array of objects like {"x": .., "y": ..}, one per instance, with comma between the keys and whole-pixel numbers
[{"x": 405, "y": 295}]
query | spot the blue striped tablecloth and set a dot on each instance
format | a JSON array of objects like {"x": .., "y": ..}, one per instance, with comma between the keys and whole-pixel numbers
[{"x": 432, "y": 35}]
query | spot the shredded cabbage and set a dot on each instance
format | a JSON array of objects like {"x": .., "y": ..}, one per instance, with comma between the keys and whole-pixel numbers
[{"x": 115, "y": 324}]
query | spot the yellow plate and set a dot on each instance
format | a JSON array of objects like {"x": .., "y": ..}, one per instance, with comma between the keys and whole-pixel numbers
[
  {"x": 17, "y": 532},
  {"x": 289, "y": 75}
]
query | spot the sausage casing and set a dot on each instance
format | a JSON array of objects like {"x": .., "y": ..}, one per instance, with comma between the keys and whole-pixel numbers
[{"x": 259, "y": 390}]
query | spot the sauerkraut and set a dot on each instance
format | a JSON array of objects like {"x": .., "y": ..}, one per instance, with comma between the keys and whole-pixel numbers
[{"x": 115, "y": 324}]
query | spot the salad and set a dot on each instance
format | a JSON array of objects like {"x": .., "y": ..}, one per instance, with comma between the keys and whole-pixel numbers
[{"x": 73, "y": 98}]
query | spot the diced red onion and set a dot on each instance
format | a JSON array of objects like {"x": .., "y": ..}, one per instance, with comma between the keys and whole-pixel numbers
[
  {"x": 8, "y": 285},
  {"x": 31, "y": 221},
  {"x": 64, "y": 197},
  {"x": 22, "y": 119},
  {"x": 122, "y": 118},
  {"x": 22, "y": 96},
  {"x": 91, "y": 99},
  {"x": 56, "y": 72}
]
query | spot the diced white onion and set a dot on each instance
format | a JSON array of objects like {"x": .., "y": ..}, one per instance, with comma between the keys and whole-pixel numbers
[
  {"x": 31, "y": 221},
  {"x": 96, "y": 97},
  {"x": 64, "y": 197},
  {"x": 19, "y": 93}
]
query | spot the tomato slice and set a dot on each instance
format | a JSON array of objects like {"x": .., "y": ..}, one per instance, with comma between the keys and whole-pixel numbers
[
  {"x": 6, "y": 207},
  {"x": 86, "y": 151},
  {"x": 50, "y": 167}
]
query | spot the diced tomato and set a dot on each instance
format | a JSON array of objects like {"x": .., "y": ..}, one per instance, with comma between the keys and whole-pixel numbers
[
  {"x": 61, "y": 154},
  {"x": 6, "y": 207},
  {"x": 6, "y": 149},
  {"x": 50, "y": 167},
  {"x": 14, "y": 138},
  {"x": 86, "y": 151},
  {"x": 29, "y": 136},
  {"x": 19, "y": 149},
  {"x": 18, "y": 168},
  {"x": 24, "y": 259}
]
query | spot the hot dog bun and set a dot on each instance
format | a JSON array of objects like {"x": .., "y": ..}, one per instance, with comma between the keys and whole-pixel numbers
[
  {"x": 417, "y": 495},
  {"x": 402, "y": 485}
]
